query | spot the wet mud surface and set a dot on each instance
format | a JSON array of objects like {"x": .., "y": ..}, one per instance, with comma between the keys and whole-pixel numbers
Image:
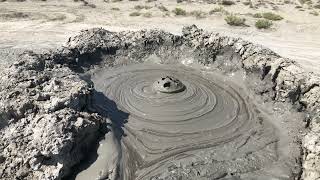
[
  {"x": 210, "y": 129},
  {"x": 153, "y": 105}
]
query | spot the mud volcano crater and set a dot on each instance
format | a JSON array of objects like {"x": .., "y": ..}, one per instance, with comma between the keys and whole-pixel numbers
[{"x": 153, "y": 105}]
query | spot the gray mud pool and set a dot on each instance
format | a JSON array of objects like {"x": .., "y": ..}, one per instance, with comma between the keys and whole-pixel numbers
[{"x": 175, "y": 122}]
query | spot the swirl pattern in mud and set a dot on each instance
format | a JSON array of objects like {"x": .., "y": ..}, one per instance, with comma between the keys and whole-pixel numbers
[{"x": 207, "y": 116}]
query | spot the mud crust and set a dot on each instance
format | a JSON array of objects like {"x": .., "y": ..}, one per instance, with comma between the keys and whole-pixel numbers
[{"x": 45, "y": 104}]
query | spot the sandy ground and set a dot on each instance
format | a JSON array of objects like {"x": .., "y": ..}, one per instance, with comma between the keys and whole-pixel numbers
[{"x": 44, "y": 25}]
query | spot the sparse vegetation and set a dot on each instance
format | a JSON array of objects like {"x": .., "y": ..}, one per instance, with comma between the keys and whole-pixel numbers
[
  {"x": 287, "y": 1},
  {"x": 305, "y": 1},
  {"x": 263, "y": 24},
  {"x": 217, "y": 9},
  {"x": 179, "y": 12},
  {"x": 272, "y": 16},
  {"x": 257, "y": 15},
  {"x": 14, "y": 15},
  {"x": 147, "y": 15},
  {"x": 234, "y": 20},
  {"x": 135, "y": 14},
  {"x": 58, "y": 17},
  {"x": 315, "y": 13},
  {"x": 116, "y": 0},
  {"x": 246, "y": 3},
  {"x": 298, "y": 7},
  {"x": 163, "y": 8},
  {"x": 115, "y": 9},
  {"x": 139, "y": 7},
  {"x": 227, "y": 2},
  {"x": 198, "y": 14},
  {"x": 317, "y": 6}
]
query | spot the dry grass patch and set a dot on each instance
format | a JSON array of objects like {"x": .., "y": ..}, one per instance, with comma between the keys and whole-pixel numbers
[
  {"x": 263, "y": 24},
  {"x": 163, "y": 8},
  {"x": 227, "y": 2},
  {"x": 179, "y": 12},
  {"x": 198, "y": 14},
  {"x": 139, "y": 7},
  {"x": 257, "y": 15},
  {"x": 315, "y": 13},
  {"x": 115, "y": 9},
  {"x": 147, "y": 15},
  {"x": 272, "y": 16},
  {"x": 135, "y": 14},
  {"x": 234, "y": 20}
]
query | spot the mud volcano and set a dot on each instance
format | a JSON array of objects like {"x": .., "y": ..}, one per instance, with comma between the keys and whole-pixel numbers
[{"x": 152, "y": 105}]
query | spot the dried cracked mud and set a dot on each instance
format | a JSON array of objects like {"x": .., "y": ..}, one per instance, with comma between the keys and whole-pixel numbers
[{"x": 153, "y": 105}]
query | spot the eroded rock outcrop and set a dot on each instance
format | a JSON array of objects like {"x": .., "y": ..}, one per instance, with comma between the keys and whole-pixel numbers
[{"x": 43, "y": 125}]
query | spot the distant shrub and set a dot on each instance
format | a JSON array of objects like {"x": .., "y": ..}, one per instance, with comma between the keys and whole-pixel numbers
[
  {"x": 298, "y": 7},
  {"x": 287, "y": 1},
  {"x": 246, "y": 3},
  {"x": 257, "y": 15},
  {"x": 217, "y": 9},
  {"x": 305, "y": 1},
  {"x": 147, "y": 15},
  {"x": 234, "y": 20},
  {"x": 139, "y": 7},
  {"x": 317, "y": 6},
  {"x": 115, "y": 9},
  {"x": 179, "y": 12},
  {"x": 116, "y": 0},
  {"x": 263, "y": 24},
  {"x": 272, "y": 16},
  {"x": 14, "y": 15},
  {"x": 135, "y": 14},
  {"x": 198, "y": 14},
  {"x": 163, "y": 8},
  {"x": 315, "y": 13},
  {"x": 227, "y": 2}
]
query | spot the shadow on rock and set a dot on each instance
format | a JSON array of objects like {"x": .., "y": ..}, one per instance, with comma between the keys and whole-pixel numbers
[{"x": 115, "y": 121}]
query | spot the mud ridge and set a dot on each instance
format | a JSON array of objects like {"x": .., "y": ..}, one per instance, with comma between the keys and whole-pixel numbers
[{"x": 48, "y": 104}]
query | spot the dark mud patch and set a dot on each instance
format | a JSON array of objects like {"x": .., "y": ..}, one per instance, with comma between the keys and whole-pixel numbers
[{"x": 236, "y": 117}]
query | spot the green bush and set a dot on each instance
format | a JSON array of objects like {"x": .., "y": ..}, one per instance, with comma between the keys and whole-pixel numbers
[
  {"x": 263, "y": 24},
  {"x": 234, "y": 20},
  {"x": 135, "y": 14},
  {"x": 272, "y": 16},
  {"x": 179, "y": 12}
]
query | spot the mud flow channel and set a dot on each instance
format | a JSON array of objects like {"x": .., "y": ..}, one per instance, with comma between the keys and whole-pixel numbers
[{"x": 173, "y": 122}]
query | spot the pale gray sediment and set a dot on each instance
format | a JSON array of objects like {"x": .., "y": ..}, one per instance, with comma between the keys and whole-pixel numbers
[{"x": 214, "y": 128}]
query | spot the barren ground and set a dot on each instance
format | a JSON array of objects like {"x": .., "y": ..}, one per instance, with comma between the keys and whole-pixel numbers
[
  {"x": 214, "y": 126},
  {"x": 47, "y": 24}
]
